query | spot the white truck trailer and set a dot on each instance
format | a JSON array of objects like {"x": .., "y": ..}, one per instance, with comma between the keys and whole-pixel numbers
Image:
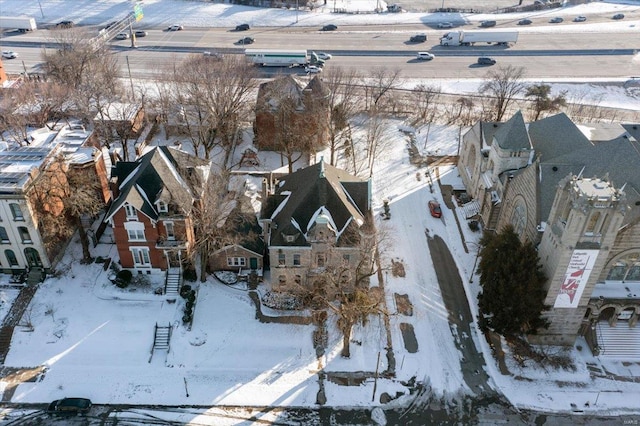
[
  {"x": 277, "y": 58},
  {"x": 469, "y": 38},
  {"x": 19, "y": 23}
]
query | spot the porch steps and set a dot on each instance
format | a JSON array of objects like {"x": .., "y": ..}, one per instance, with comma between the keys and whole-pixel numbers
[
  {"x": 173, "y": 282},
  {"x": 470, "y": 209},
  {"x": 619, "y": 342}
]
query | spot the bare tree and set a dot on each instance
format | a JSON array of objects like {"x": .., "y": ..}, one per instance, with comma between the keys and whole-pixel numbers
[
  {"x": 425, "y": 100},
  {"x": 382, "y": 83},
  {"x": 211, "y": 98},
  {"x": 119, "y": 122},
  {"x": 62, "y": 196},
  {"x": 542, "y": 101},
  {"x": 503, "y": 85},
  {"x": 342, "y": 103}
]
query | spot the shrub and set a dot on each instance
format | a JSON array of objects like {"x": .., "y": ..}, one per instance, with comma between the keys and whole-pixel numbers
[
  {"x": 191, "y": 297},
  {"x": 188, "y": 310},
  {"x": 189, "y": 274},
  {"x": 185, "y": 290},
  {"x": 189, "y": 305},
  {"x": 186, "y": 318},
  {"x": 473, "y": 225},
  {"x": 123, "y": 278}
]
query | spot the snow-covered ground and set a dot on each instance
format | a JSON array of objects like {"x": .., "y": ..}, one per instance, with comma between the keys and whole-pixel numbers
[{"x": 95, "y": 339}]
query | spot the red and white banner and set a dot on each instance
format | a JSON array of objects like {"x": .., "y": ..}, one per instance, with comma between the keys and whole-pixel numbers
[{"x": 576, "y": 277}]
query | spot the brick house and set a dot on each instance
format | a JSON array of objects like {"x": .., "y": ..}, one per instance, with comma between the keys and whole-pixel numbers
[
  {"x": 574, "y": 191},
  {"x": 153, "y": 198},
  {"x": 314, "y": 219},
  {"x": 307, "y": 112}
]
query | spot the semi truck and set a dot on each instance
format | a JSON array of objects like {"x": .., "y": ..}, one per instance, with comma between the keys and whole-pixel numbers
[
  {"x": 19, "y": 23},
  {"x": 469, "y": 38},
  {"x": 282, "y": 58}
]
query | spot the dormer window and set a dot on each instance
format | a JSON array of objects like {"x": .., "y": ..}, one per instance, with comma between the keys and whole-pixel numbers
[
  {"x": 289, "y": 238},
  {"x": 131, "y": 212},
  {"x": 162, "y": 207}
]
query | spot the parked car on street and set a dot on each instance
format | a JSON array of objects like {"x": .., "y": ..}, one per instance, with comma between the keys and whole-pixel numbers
[
  {"x": 330, "y": 27},
  {"x": 69, "y": 406},
  {"x": 445, "y": 25},
  {"x": 525, "y": 22},
  {"x": 434, "y": 209},
  {"x": 9, "y": 54},
  {"x": 242, "y": 27},
  {"x": 556, "y": 20},
  {"x": 141, "y": 33},
  {"x": 618, "y": 16},
  {"x": 485, "y": 60},
  {"x": 425, "y": 56},
  {"x": 175, "y": 28},
  {"x": 246, "y": 40},
  {"x": 579, "y": 19}
]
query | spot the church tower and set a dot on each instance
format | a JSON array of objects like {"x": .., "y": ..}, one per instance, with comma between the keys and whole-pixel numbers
[{"x": 582, "y": 226}]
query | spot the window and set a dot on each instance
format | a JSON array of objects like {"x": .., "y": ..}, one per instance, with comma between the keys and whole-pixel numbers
[
  {"x": 132, "y": 213},
  {"x": 162, "y": 207},
  {"x": 16, "y": 212},
  {"x": 136, "y": 234},
  {"x": 141, "y": 257},
  {"x": 282, "y": 279},
  {"x": 321, "y": 260},
  {"x": 168, "y": 226},
  {"x": 346, "y": 259},
  {"x": 281, "y": 259},
  {"x": 591, "y": 224},
  {"x": 297, "y": 279},
  {"x": 4, "y": 237},
  {"x": 290, "y": 238},
  {"x": 24, "y": 235},
  {"x": 11, "y": 257},
  {"x": 236, "y": 261},
  {"x": 296, "y": 260}
]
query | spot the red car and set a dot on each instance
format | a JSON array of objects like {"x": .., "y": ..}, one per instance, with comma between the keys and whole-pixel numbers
[{"x": 434, "y": 209}]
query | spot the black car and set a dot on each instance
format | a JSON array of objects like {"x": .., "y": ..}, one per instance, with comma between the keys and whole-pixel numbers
[
  {"x": 242, "y": 27},
  {"x": 487, "y": 24},
  {"x": 525, "y": 22},
  {"x": 485, "y": 60},
  {"x": 556, "y": 20},
  {"x": 140, "y": 33},
  {"x": 246, "y": 40},
  {"x": 418, "y": 38},
  {"x": 65, "y": 24},
  {"x": 330, "y": 27},
  {"x": 69, "y": 406},
  {"x": 618, "y": 16}
]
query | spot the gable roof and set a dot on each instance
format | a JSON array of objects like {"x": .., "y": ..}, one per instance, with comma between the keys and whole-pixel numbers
[
  {"x": 320, "y": 191},
  {"x": 162, "y": 173}
]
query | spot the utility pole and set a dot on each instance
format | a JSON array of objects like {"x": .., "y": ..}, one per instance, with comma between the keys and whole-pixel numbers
[
  {"x": 133, "y": 92},
  {"x": 375, "y": 382}
]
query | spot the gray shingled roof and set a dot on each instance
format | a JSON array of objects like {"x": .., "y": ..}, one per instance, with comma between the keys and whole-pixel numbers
[
  {"x": 512, "y": 135},
  {"x": 315, "y": 189},
  {"x": 564, "y": 150},
  {"x": 162, "y": 172}
]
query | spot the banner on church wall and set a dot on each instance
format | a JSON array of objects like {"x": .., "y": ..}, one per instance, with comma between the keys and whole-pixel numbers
[{"x": 575, "y": 279}]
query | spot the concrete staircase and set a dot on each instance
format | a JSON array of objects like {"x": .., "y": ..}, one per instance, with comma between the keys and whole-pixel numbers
[
  {"x": 161, "y": 339},
  {"x": 173, "y": 282},
  {"x": 619, "y": 342}
]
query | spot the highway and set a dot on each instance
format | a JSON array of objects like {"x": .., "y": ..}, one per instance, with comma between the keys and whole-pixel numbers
[{"x": 567, "y": 55}]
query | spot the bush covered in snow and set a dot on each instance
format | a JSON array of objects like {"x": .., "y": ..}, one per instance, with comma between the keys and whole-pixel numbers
[{"x": 281, "y": 301}]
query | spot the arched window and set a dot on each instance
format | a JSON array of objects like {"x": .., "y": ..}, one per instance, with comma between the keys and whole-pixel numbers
[
  {"x": 24, "y": 235},
  {"x": 625, "y": 268},
  {"x": 16, "y": 212},
  {"x": 591, "y": 223},
  {"x": 4, "y": 237},
  {"x": 519, "y": 216},
  {"x": 11, "y": 257}
]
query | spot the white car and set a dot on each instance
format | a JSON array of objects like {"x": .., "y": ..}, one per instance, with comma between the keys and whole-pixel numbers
[
  {"x": 8, "y": 54},
  {"x": 324, "y": 56},
  {"x": 445, "y": 25},
  {"x": 175, "y": 28},
  {"x": 425, "y": 56},
  {"x": 312, "y": 69},
  {"x": 122, "y": 36}
]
